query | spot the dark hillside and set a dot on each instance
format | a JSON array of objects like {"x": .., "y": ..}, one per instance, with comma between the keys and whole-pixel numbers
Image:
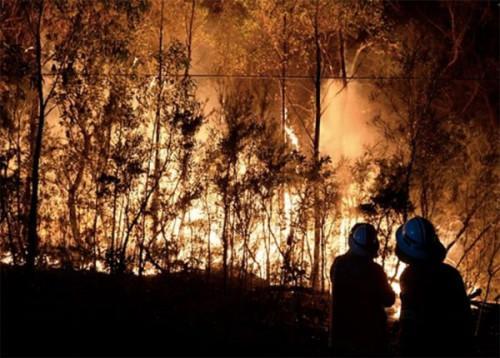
[
  {"x": 80, "y": 313},
  {"x": 70, "y": 313}
]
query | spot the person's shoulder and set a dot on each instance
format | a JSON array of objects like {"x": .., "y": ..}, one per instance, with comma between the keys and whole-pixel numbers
[
  {"x": 341, "y": 258},
  {"x": 342, "y": 262},
  {"x": 407, "y": 275},
  {"x": 337, "y": 260},
  {"x": 451, "y": 273},
  {"x": 449, "y": 270},
  {"x": 376, "y": 267},
  {"x": 338, "y": 263}
]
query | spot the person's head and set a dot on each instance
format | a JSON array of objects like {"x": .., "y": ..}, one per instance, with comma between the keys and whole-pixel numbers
[
  {"x": 417, "y": 242},
  {"x": 363, "y": 240}
]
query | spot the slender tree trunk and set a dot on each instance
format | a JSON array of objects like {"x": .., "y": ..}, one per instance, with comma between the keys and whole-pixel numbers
[
  {"x": 101, "y": 165},
  {"x": 142, "y": 240},
  {"x": 224, "y": 239},
  {"x": 317, "y": 209},
  {"x": 190, "y": 37},
  {"x": 323, "y": 256},
  {"x": 284, "y": 66},
  {"x": 342, "y": 58},
  {"x": 20, "y": 207},
  {"x": 227, "y": 213},
  {"x": 32, "y": 238},
  {"x": 29, "y": 179},
  {"x": 267, "y": 245},
  {"x": 140, "y": 255},
  {"x": 156, "y": 172},
  {"x": 94, "y": 225},
  {"x": 73, "y": 217},
  {"x": 73, "y": 189},
  {"x": 125, "y": 235},
  {"x": 209, "y": 248},
  {"x": 120, "y": 234},
  {"x": 114, "y": 236},
  {"x": 113, "y": 231},
  {"x": 231, "y": 244}
]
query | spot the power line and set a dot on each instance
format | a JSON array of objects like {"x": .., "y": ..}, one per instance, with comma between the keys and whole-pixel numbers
[{"x": 296, "y": 77}]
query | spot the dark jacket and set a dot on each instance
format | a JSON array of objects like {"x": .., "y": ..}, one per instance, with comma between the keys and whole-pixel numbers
[
  {"x": 436, "y": 318},
  {"x": 360, "y": 291}
]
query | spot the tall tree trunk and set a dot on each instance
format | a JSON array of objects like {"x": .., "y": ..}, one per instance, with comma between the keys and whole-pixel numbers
[
  {"x": 209, "y": 248},
  {"x": 114, "y": 236},
  {"x": 27, "y": 184},
  {"x": 231, "y": 243},
  {"x": 125, "y": 237},
  {"x": 317, "y": 213},
  {"x": 323, "y": 256},
  {"x": 73, "y": 189},
  {"x": 101, "y": 165},
  {"x": 342, "y": 58},
  {"x": 267, "y": 245},
  {"x": 156, "y": 172},
  {"x": 190, "y": 37},
  {"x": 227, "y": 213},
  {"x": 224, "y": 239},
  {"x": 284, "y": 66},
  {"x": 21, "y": 205},
  {"x": 94, "y": 226},
  {"x": 113, "y": 232},
  {"x": 32, "y": 248}
]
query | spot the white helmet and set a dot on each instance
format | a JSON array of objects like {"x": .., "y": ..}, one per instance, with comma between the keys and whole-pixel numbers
[
  {"x": 417, "y": 240},
  {"x": 363, "y": 240}
]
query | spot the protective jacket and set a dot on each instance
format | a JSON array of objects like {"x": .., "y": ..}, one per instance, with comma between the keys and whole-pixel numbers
[
  {"x": 360, "y": 291},
  {"x": 436, "y": 318}
]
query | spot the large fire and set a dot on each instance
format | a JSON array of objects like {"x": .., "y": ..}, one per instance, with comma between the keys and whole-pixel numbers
[{"x": 339, "y": 107}]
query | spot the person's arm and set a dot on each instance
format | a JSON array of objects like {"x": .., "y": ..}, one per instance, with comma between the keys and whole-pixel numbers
[
  {"x": 408, "y": 318},
  {"x": 387, "y": 295},
  {"x": 330, "y": 307},
  {"x": 464, "y": 311}
]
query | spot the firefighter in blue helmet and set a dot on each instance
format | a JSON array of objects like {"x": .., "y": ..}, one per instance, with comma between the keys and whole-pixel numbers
[
  {"x": 436, "y": 319},
  {"x": 360, "y": 291}
]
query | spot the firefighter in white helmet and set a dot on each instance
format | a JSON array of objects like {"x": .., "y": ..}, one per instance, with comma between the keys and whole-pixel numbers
[
  {"x": 360, "y": 291},
  {"x": 435, "y": 318}
]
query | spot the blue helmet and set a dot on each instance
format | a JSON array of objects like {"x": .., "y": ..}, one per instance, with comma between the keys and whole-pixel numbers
[
  {"x": 416, "y": 240},
  {"x": 363, "y": 240}
]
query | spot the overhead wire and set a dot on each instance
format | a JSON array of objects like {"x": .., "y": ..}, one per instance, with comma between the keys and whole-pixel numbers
[{"x": 294, "y": 77}]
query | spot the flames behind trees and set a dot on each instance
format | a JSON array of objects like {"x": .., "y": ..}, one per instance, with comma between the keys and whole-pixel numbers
[{"x": 147, "y": 167}]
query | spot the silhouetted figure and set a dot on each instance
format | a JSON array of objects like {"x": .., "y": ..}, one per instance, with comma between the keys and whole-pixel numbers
[
  {"x": 436, "y": 318},
  {"x": 360, "y": 292}
]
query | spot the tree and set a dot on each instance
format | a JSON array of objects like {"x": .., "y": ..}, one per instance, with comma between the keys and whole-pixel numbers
[
  {"x": 57, "y": 38},
  {"x": 428, "y": 125},
  {"x": 16, "y": 145}
]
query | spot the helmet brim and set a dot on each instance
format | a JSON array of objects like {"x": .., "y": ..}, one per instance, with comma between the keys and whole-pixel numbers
[
  {"x": 408, "y": 254},
  {"x": 359, "y": 250},
  {"x": 407, "y": 250}
]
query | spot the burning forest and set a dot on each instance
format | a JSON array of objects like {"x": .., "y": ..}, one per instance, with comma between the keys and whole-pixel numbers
[{"x": 154, "y": 151}]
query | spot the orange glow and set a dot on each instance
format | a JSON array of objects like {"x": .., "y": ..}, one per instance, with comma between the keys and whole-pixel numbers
[{"x": 345, "y": 128}]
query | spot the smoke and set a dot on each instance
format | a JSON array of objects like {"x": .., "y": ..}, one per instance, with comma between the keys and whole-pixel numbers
[{"x": 345, "y": 124}]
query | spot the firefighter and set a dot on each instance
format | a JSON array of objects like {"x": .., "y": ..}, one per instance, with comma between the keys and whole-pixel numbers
[
  {"x": 436, "y": 318},
  {"x": 360, "y": 291}
]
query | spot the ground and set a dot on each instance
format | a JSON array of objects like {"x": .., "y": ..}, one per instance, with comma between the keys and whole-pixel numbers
[{"x": 61, "y": 313}]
